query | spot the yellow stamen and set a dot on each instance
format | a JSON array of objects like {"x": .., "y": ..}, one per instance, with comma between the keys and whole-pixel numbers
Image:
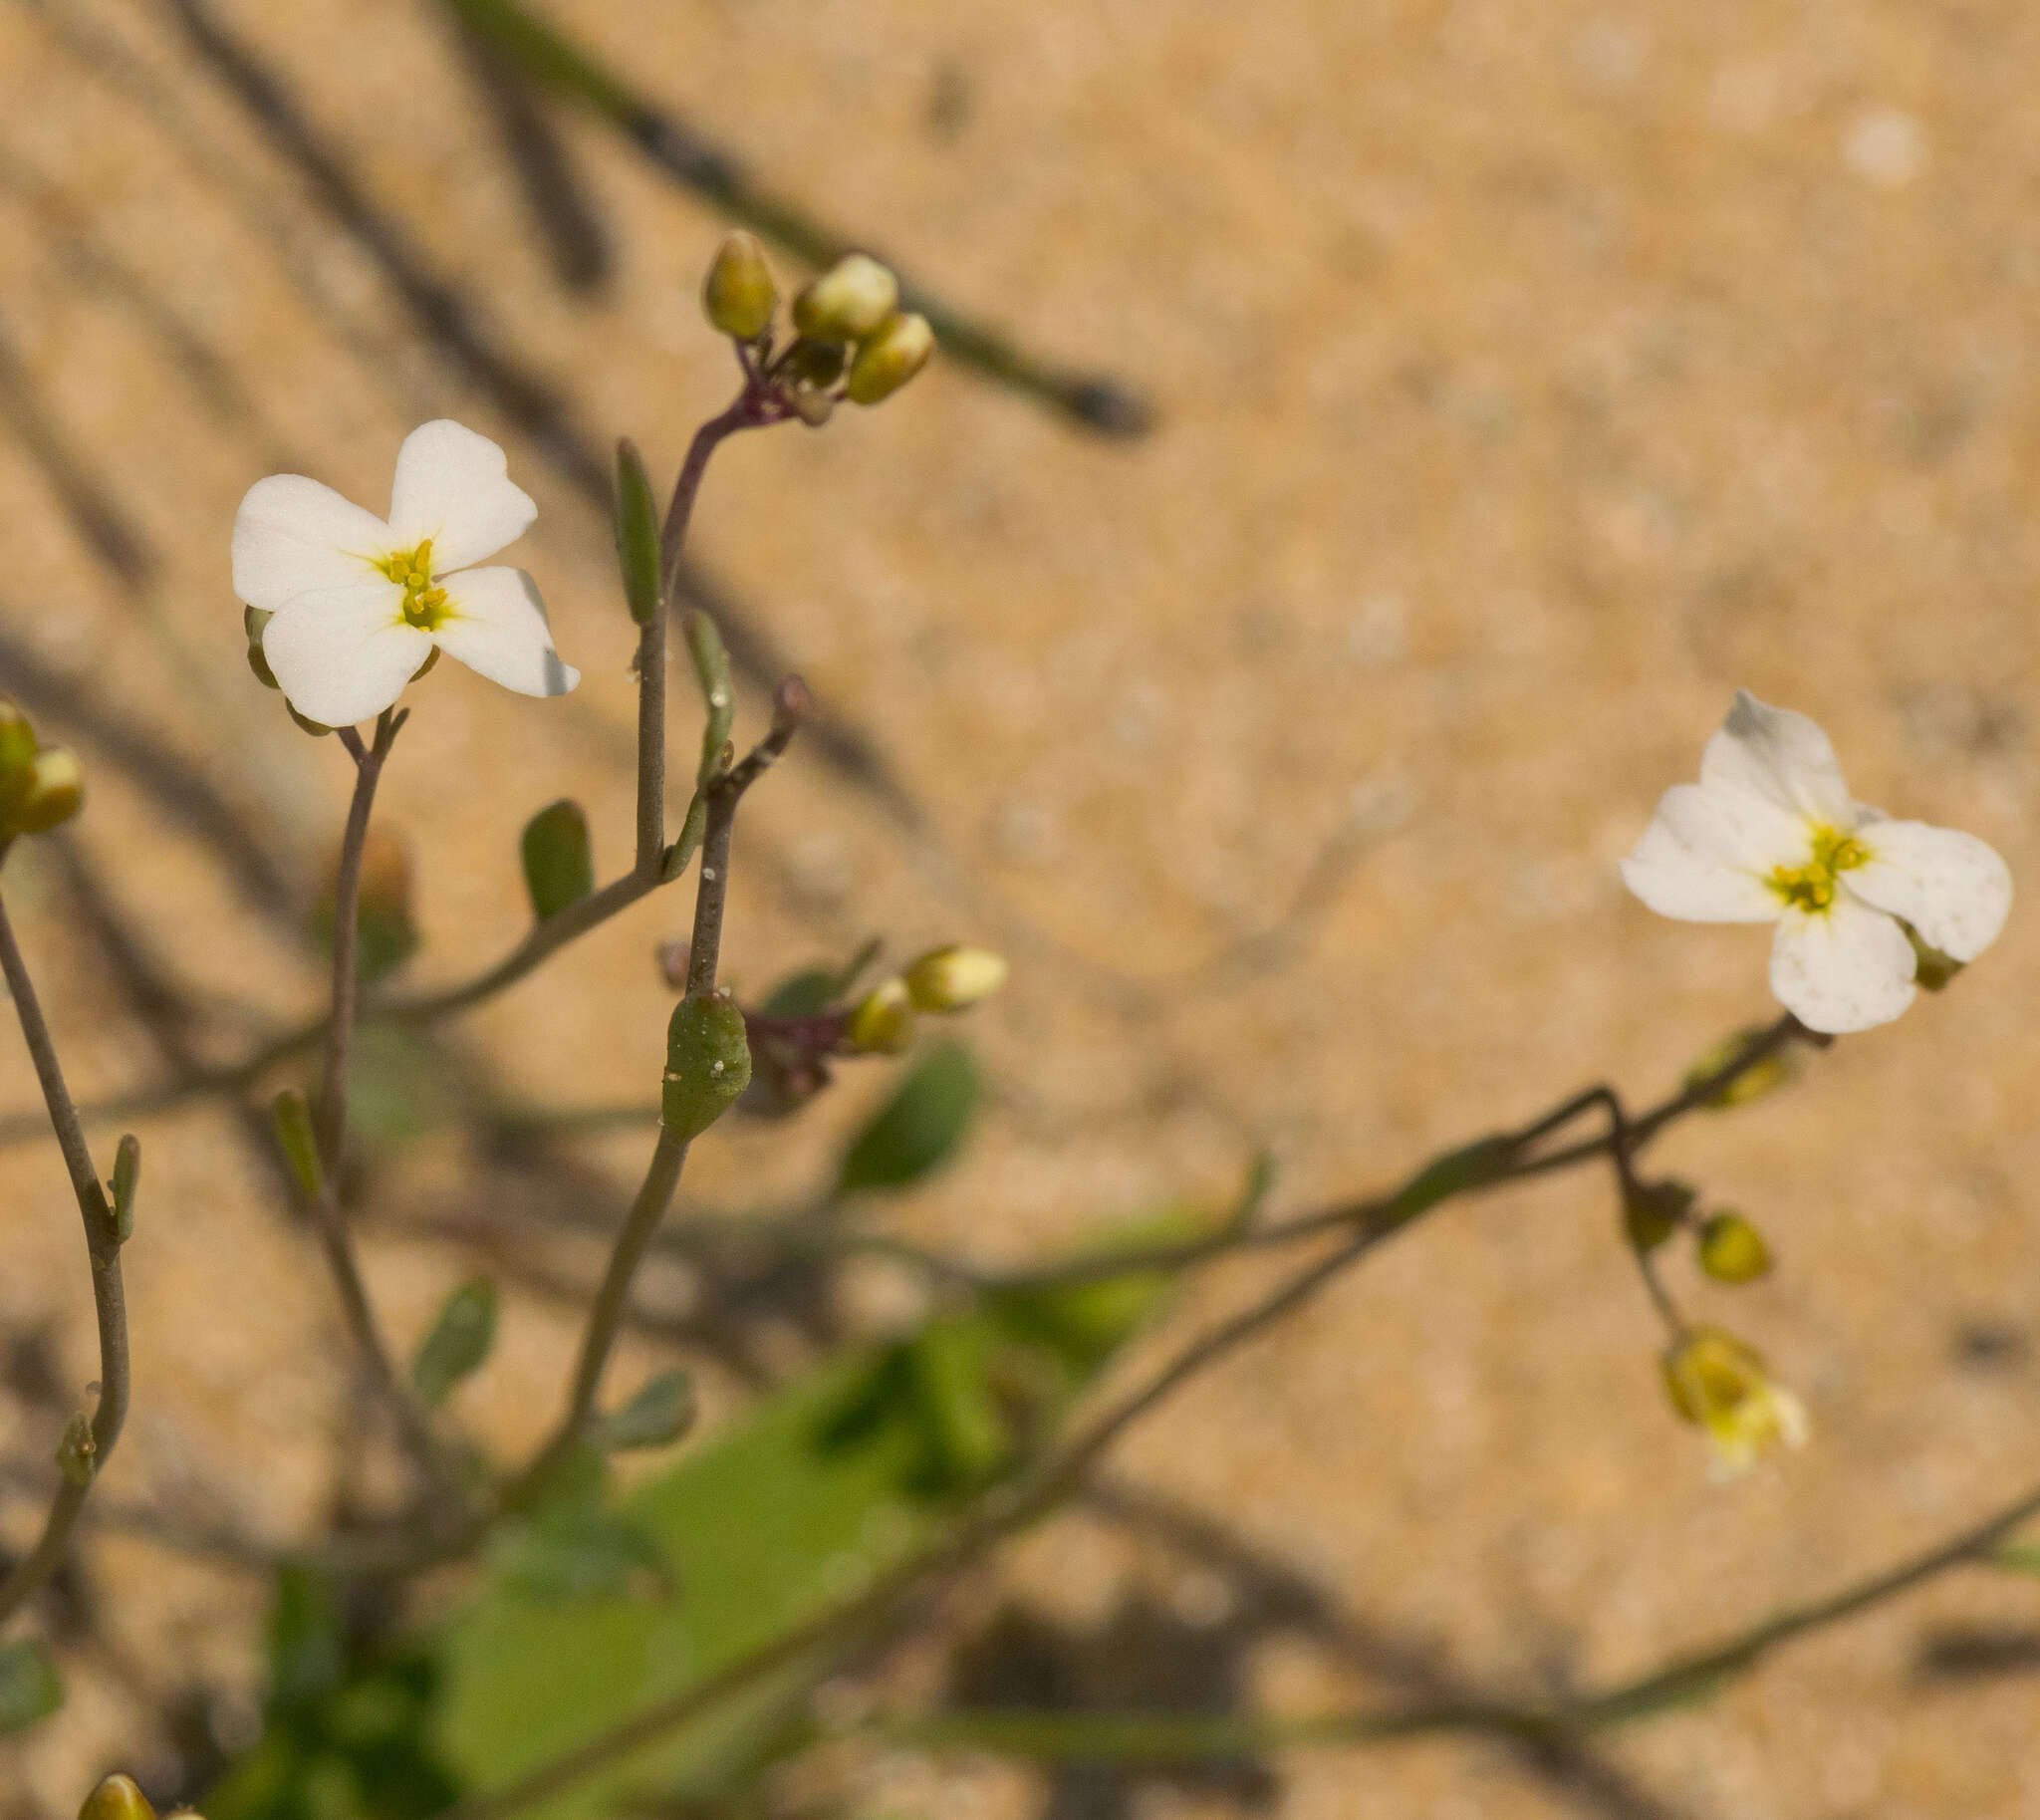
[
  {"x": 1812, "y": 887},
  {"x": 425, "y": 606}
]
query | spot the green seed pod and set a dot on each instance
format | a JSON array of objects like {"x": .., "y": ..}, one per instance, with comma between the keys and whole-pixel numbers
[
  {"x": 738, "y": 295},
  {"x": 1731, "y": 1250},
  {"x": 707, "y": 1064},
  {"x": 890, "y": 359},
  {"x": 848, "y": 302},
  {"x": 55, "y": 793},
  {"x": 117, "y": 1798}
]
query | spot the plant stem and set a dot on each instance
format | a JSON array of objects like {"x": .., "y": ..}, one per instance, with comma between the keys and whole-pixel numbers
[{"x": 103, "y": 1245}]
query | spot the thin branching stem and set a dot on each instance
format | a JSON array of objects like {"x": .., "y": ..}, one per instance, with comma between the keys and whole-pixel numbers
[{"x": 103, "y": 1245}]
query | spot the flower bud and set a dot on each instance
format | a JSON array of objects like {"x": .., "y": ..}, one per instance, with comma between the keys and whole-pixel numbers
[
  {"x": 54, "y": 792},
  {"x": 890, "y": 357},
  {"x": 117, "y": 1798},
  {"x": 813, "y": 409},
  {"x": 1652, "y": 1212},
  {"x": 883, "y": 1021},
  {"x": 815, "y": 363},
  {"x": 1724, "y": 1387},
  {"x": 952, "y": 977},
  {"x": 848, "y": 302},
  {"x": 707, "y": 1064},
  {"x": 1754, "y": 1083},
  {"x": 1731, "y": 1250},
  {"x": 738, "y": 294},
  {"x": 558, "y": 863},
  {"x": 17, "y": 741}
]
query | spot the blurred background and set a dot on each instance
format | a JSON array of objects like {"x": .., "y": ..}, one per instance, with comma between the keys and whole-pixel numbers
[{"x": 1429, "y": 414}]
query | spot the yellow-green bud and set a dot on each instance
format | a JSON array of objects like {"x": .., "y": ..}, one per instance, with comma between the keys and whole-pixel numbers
[
  {"x": 1724, "y": 1385},
  {"x": 1731, "y": 1250},
  {"x": 850, "y": 299},
  {"x": 17, "y": 739},
  {"x": 890, "y": 359},
  {"x": 117, "y": 1798},
  {"x": 738, "y": 294},
  {"x": 882, "y": 1022},
  {"x": 949, "y": 978},
  {"x": 707, "y": 1064},
  {"x": 1754, "y": 1083},
  {"x": 56, "y": 789}
]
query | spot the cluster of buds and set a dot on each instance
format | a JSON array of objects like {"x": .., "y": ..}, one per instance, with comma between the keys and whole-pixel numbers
[
  {"x": 851, "y": 340},
  {"x": 40, "y": 786},
  {"x": 1727, "y": 1245},
  {"x": 792, "y": 1046}
]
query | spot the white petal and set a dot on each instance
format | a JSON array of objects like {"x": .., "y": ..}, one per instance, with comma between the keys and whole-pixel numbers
[
  {"x": 1782, "y": 757},
  {"x": 344, "y": 654},
  {"x": 453, "y": 486},
  {"x": 1847, "y": 967},
  {"x": 1705, "y": 854},
  {"x": 499, "y": 628},
  {"x": 293, "y": 535},
  {"x": 1951, "y": 887}
]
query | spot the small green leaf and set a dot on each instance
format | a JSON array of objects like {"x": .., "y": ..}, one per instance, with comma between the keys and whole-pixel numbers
[
  {"x": 307, "y": 1641},
  {"x": 637, "y": 528},
  {"x": 559, "y": 865},
  {"x": 814, "y": 989},
  {"x": 918, "y": 1129},
  {"x": 707, "y": 1064},
  {"x": 581, "y": 1553},
  {"x": 967, "y": 1435},
  {"x": 1471, "y": 1166},
  {"x": 711, "y": 670},
  {"x": 459, "y": 1340},
  {"x": 661, "y": 1413},
  {"x": 127, "y": 1178},
  {"x": 30, "y": 1688},
  {"x": 291, "y": 1119}
]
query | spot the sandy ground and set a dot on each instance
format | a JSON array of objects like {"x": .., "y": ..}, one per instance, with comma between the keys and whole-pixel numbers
[{"x": 1530, "y": 376}]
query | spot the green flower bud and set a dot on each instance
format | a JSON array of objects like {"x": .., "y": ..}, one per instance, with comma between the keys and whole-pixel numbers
[
  {"x": 1731, "y": 1250},
  {"x": 738, "y": 294},
  {"x": 890, "y": 359},
  {"x": 882, "y": 1022},
  {"x": 949, "y": 978},
  {"x": 1652, "y": 1212},
  {"x": 707, "y": 1064},
  {"x": 56, "y": 790},
  {"x": 117, "y": 1798},
  {"x": 848, "y": 302},
  {"x": 816, "y": 364}
]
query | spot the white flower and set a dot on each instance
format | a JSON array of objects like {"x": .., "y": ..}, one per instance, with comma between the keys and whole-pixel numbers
[
  {"x": 1769, "y": 834},
  {"x": 360, "y": 606}
]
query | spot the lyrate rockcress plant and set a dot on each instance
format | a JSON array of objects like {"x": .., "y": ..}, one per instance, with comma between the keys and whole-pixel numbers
[{"x": 345, "y": 610}]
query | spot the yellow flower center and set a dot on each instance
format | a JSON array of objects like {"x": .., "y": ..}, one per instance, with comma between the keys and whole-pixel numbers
[
  {"x": 1812, "y": 887},
  {"x": 425, "y": 606}
]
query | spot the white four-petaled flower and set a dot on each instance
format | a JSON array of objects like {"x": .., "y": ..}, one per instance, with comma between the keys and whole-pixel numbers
[
  {"x": 1770, "y": 835},
  {"x": 360, "y": 605}
]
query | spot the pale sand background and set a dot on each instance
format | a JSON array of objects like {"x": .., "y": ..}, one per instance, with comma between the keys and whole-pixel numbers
[{"x": 1530, "y": 375}]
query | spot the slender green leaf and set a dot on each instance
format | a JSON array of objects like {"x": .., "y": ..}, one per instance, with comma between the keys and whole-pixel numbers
[
  {"x": 459, "y": 1340},
  {"x": 661, "y": 1413},
  {"x": 637, "y": 528}
]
